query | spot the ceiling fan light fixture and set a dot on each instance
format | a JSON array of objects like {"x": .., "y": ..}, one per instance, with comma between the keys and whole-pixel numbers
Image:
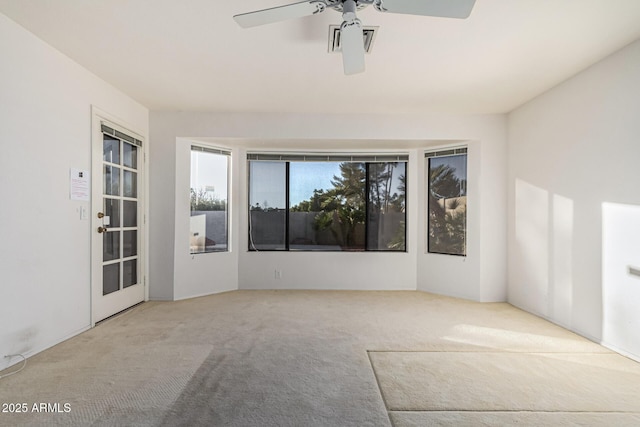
[{"x": 368, "y": 32}]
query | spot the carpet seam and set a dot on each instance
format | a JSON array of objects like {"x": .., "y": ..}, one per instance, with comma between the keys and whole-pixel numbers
[
  {"x": 513, "y": 411},
  {"x": 384, "y": 401},
  {"x": 391, "y": 409},
  {"x": 494, "y": 352}
]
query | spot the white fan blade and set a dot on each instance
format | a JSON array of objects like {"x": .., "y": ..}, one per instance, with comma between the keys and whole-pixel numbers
[
  {"x": 280, "y": 13},
  {"x": 460, "y": 9},
  {"x": 352, "y": 41}
]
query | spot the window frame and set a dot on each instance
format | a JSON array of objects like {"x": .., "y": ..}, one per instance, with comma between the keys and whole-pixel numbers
[
  {"x": 287, "y": 158},
  {"x": 445, "y": 152},
  {"x": 204, "y": 148}
]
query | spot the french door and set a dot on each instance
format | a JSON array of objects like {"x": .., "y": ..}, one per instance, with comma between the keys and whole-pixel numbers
[{"x": 117, "y": 235}]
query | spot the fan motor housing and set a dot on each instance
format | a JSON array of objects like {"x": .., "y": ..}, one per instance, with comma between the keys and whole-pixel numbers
[
  {"x": 337, "y": 4},
  {"x": 368, "y": 32}
]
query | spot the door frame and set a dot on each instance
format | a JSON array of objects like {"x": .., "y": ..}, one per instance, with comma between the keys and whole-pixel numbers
[{"x": 98, "y": 117}]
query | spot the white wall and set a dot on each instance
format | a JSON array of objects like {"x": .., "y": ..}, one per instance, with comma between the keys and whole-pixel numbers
[
  {"x": 484, "y": 278},
  {"x": 45, "y": 129},
  {"x": 571, "y": 150},
  {"x": 479, "y": 276},
  {"x": 208, "y": 273},
  {"x": 333, "y": 270}
]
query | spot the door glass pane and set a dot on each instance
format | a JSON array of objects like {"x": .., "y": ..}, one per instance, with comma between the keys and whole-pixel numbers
[
  {"x": 130, "y": 156},
  {"x": 110, "y": 278},
  {"x": 129, "y": 273},
  {"x": 112, "y": 210},
  {"x": 129, "y": 243},
  {"x": 111, "y": 180},
  {"x": 110, "y": 245},
  {"x": 111, "y": 149},
  {"x": 130, "y": 211},
  {"x": 130, "y": 184}
]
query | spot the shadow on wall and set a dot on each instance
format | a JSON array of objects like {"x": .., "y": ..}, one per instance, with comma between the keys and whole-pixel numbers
[
  {"x": 543, "y": 254},
  {"x": 621, "y": 277}
]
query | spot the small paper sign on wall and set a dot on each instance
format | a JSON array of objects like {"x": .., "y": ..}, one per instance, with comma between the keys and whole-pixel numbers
[{"x": 79, "y": 185}]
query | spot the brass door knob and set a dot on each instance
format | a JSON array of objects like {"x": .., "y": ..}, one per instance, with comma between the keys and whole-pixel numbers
[{"x": 102, "y": 229}]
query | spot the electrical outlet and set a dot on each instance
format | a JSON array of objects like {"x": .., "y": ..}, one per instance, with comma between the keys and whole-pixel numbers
[{"x": 278, "y": 274}]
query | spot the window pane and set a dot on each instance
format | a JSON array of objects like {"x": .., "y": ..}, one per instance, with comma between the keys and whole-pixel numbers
[
  {"x": 447, "y": 190},
  {"x": 110, "y": 278},
  {"x": 110, "y": 245},
  {"x": 209, "y": 209},
  {"x": 267, "y": 205},
  {"x": 130, "y": 213},
  {"x": 327, "y": 206},
  {"x": 112, "y": 211},
  {"x": 386, "y": 209},
  {"x": 130, "y": 184},
  {"x": 130, "y": 155},
  {"x": 129, "y": 243},
  {"x": 129, "y": 273},
  {"x": 111, "y": 149},
  {"x": 111, "y": 180}
]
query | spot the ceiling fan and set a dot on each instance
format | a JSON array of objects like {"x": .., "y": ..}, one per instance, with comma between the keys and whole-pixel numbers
[{"x": 351, "y": 29}]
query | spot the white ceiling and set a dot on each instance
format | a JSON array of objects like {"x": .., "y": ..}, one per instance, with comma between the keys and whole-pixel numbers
[{"x": 190, "y": 55}]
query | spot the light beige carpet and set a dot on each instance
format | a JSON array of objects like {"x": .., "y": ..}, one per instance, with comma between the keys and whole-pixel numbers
[
  {"x": 500, "y": 386},
  {"x": 293, "y": 358},
  {"x": 521, "y": 419}
]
